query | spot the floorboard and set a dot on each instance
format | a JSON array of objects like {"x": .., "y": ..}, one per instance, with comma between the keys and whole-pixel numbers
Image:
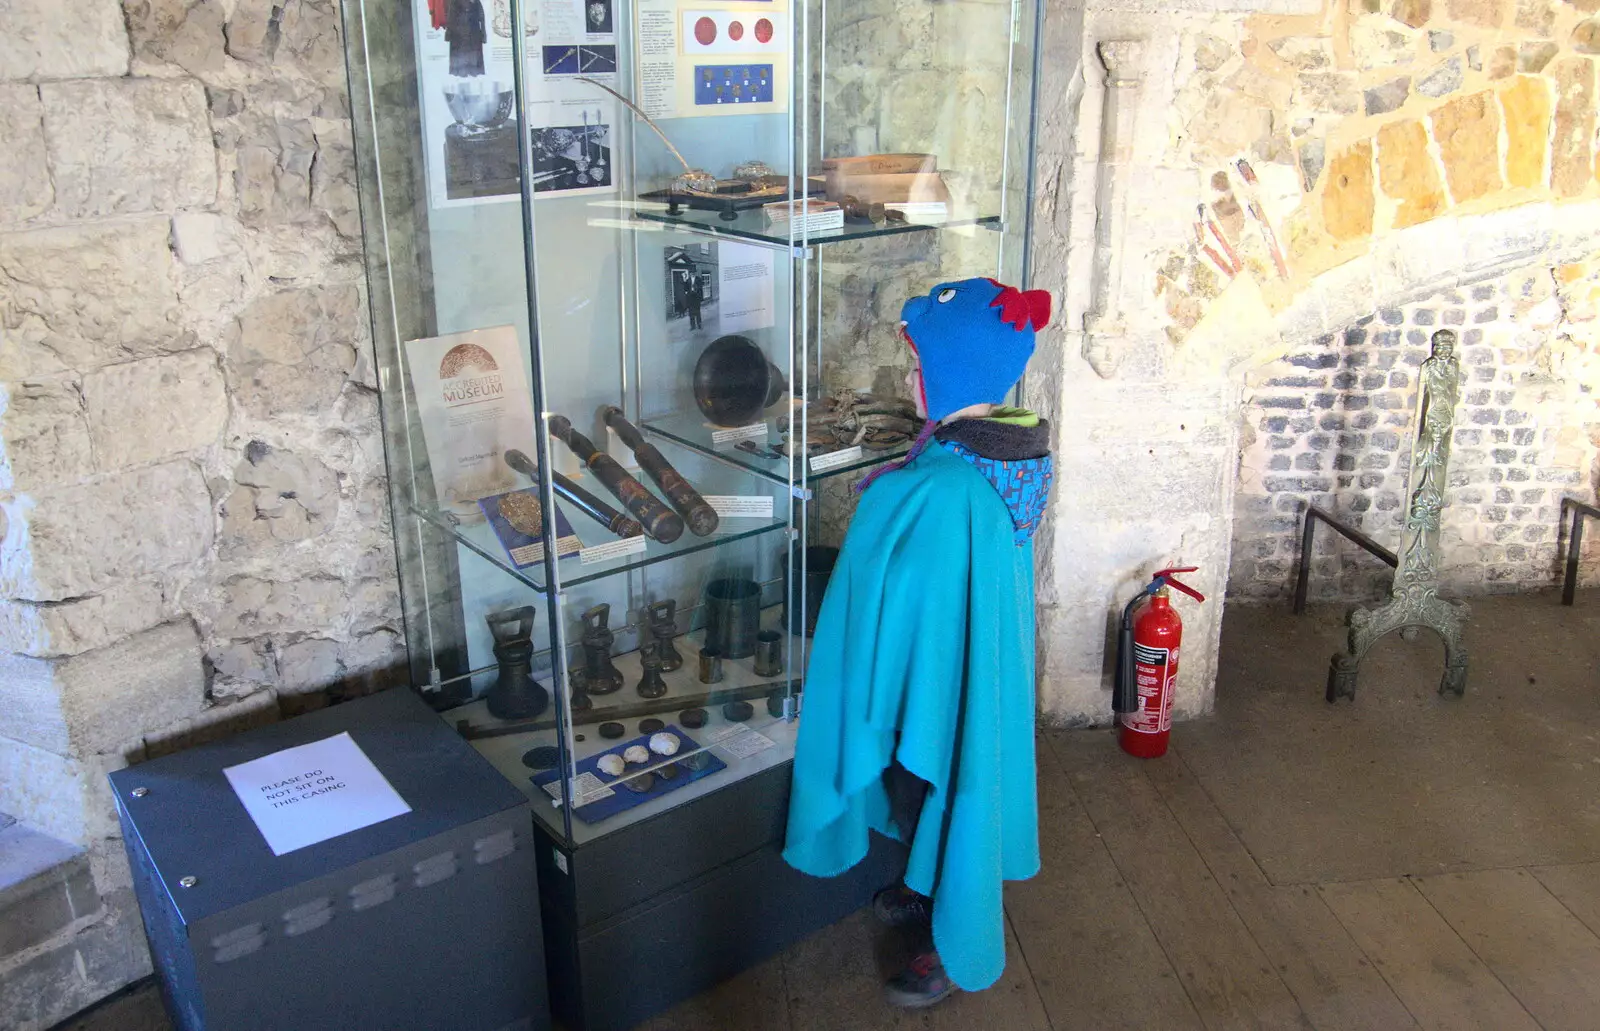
[
  {"x": 1090, "y": 950},
  {"x": 1444, "y": 985},
  {"x": 1534, "y": 945},
  {"x": 1229, "y": 980},
  {"x": 1332, "y": 980}
]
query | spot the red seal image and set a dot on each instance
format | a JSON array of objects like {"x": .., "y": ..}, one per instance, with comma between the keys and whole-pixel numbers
[
  {"x": 705, "y": 30},
  {"x": 736, "y": 30},
  {"x": 764, "y": 31}
]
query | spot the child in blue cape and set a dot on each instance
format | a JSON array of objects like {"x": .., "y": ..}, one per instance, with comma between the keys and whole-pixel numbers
[{"x": 919, "y": 695}]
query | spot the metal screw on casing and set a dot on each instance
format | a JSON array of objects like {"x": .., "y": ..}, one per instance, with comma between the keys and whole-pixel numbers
[
  {"x": 139, "y": 792},
  {"x": 188, "y": 882}
]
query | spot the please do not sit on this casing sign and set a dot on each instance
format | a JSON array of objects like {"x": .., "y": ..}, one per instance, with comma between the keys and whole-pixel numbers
[{"x": 312, "y": 792}]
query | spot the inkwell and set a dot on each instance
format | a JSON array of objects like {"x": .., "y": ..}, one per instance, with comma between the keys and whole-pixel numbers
[{"x": 515, "y": 695}]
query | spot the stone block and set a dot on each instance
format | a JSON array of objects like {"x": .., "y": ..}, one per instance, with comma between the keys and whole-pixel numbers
[
  {"x": 214, "y": 724},
  {"x": 126, "y": 146},
  {"x": 70, "y": 541},
  {"x": 1443, "y": 80},
  {"x": 282, "y": 496},
  {"x": 51, "y": 985},
  {"x": 85, "y": 295},
  {"x": 1328, "y": 92},
  {"x": 248, "y": 605},
  {"x": 1407, "y": 173},
  {"x": 57, "y": 629},
  {"x": 1532, "y": 57},
  {"x": 1381, "y": 99},
  {"x": 185, "y": 33},
  {"x": 1487, "y": 13},
  {"x": 294, "y": 350},
  {"x": 1347, "y": 198},
  {"x": 1571, "y": 162},
  {"x": 25, "y": 188},
  {"x": 101, "y": 700},
  {"x": 46, "y": 791},
  {"x": 1380, "y": 42},
  {"x": 154, "y": 408},
  {"x": 36, "y": 908},
  {"x": 1467, "y": 131},
  {"x": 1525, "y": 103},
  {"x": 1537, "y": 16},
  {"x": 1586, "y": 36},
  {"x": 44, "y": 436},
  {"x": 38, "y": 41},
  {"x": 1502, "y": 62},
  {"x": 308, "y": 665}
]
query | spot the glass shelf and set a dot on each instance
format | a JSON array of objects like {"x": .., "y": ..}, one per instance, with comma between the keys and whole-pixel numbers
[
  {"x": 751, "y": 224},
  {"x": 479, "y": 537},
  {"x": 690, "y": 430}
]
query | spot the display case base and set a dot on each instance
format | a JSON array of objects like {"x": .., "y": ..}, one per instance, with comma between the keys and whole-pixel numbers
[{"x": 659, "y": 911}]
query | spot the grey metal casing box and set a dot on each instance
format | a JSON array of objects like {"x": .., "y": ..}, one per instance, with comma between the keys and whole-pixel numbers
[{"x": 426, "y": 920}]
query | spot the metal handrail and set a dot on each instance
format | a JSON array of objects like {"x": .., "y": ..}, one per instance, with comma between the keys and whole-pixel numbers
[
  {"x": 1569, "y": 586},
  {"x": 1350, "y": 533}
]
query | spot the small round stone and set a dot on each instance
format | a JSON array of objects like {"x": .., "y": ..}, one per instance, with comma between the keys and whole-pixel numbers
[
  {"x": 738, "y": 712},
  {"x": 611, "y": 731},
  {"x": 694, "y": 719},
  {"x": 637, "y": 754},
  {"x": 665, "y": 744},
  {"x": 543, "y": 757},
  {"x": 610, "y": 764},
  {"x": 642, "y": 783},
  {"x": 651, "y": 726}
]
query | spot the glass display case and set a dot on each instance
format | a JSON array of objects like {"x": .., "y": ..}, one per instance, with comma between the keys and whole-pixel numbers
[{"x": 635, "y": 269}]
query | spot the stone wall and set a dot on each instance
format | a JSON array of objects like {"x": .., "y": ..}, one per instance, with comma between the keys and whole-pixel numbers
[
  {"x": 193, "y": 521},
  {"x": 1221, "y": 183},
  {"x": 1331, "y": 424}
]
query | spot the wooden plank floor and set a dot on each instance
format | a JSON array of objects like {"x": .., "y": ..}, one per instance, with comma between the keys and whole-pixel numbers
[{"x": 1289, "y": 864}]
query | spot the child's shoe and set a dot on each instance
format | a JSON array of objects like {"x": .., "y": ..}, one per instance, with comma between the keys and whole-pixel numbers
[
  {"x": 899, "y": 906},
  {"x": 921, "y": 984}
]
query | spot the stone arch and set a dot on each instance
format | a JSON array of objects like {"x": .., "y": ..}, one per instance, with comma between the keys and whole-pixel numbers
[{"x": 1240, "y": 333}]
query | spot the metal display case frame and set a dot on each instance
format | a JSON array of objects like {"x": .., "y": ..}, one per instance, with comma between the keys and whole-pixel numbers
[{"x": 530, "y": 241}]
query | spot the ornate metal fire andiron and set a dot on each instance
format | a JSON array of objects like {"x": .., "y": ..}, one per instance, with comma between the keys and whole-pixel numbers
[{"x": 1414, "y": 600}]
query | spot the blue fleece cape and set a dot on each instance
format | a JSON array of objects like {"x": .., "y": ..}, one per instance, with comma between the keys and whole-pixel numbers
[{"x": 924, "y": 653}]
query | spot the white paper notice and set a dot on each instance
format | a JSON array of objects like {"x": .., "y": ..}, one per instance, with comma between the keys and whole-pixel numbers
[
  {"x": 744, "y": 276},
  {"x": 658, "y": 59},
  {"x": 758, "y": 506},
  {"x": 310, "y": 793},
  {"x": 742, "y": 746},
  {"x": 612, "y": 549},
  {"x": 834, "y": 459}
]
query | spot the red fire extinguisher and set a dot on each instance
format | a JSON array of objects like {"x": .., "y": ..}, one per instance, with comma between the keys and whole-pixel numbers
[{"x": 1147, "y": 666}]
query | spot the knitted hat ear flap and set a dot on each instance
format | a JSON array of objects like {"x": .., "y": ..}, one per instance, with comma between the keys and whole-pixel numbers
[{"x": 917, "y": 447}]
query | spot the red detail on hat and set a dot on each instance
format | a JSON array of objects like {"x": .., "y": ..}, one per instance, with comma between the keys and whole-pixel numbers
[{"x": 1023, "y": 309}]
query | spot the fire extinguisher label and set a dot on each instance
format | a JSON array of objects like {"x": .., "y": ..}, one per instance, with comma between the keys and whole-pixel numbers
[{"x": 1155, "y": 669}]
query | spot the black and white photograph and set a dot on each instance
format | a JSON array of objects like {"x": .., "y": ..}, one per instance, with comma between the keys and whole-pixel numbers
[
  {"x": 480, "y": 143},
  {"x": 572, "y": 157},
  {"x": 691, "y": 290},
  {"x": 597, "y": 18}
]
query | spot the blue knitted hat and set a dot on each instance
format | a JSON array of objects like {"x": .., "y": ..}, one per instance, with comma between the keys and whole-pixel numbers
[{"x": 973, "y": 339}]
